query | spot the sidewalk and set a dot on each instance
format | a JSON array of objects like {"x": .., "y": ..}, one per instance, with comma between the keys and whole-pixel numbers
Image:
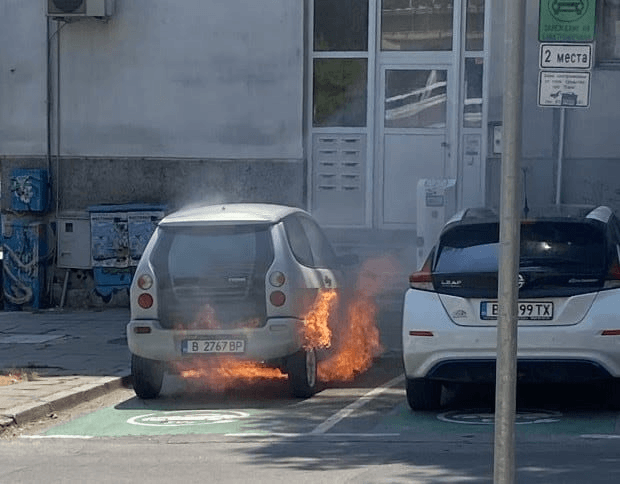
[{"x": 73, "y": 356}]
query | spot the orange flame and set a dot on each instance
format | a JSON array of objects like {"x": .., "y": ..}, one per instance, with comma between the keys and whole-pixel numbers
[
  {"x": 316, "y": 330},
  {"x": 359, "y": 344},
  {"x": 353, "y": 342},
  {"x": 222, "y": 373}
]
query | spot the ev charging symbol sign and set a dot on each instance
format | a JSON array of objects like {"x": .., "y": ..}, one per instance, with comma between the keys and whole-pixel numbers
[{"x": 184, "y": 418}]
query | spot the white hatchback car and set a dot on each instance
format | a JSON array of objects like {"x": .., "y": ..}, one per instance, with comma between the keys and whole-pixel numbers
[
  {"x": 569, "y": 303},
  {"x": 234, "y": 280}
]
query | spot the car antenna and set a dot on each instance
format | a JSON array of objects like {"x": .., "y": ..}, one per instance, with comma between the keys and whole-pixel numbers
[{"x": 526, "y": 209}]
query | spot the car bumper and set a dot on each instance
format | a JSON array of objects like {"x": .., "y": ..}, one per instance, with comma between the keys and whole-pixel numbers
[
  {"x": 433, "y": 345},
  {"x": 278, "y": 338}
]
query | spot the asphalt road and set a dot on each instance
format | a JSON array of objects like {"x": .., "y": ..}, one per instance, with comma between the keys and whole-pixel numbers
[{"x": 360, "y": 432}]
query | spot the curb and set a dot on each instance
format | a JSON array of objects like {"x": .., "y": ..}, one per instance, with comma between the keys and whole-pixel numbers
[{"x": 62, "y": 400}]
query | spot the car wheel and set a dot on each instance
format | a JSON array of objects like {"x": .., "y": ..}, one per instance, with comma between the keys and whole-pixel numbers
[
  {"x": 302, "y": 373},
  {"x": 147, "y": 377},
  {"x": 423, "y": 394}
]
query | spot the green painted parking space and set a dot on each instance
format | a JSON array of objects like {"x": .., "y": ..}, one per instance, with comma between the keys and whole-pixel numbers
[
  {"x": 528, "y": 421},
  {"x": 113, "y": 422},
  {"x": 119, "y": 421}
]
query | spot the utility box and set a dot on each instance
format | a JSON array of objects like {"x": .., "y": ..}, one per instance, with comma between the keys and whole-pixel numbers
[
  {"x": 109, "y": 239},
  {"x": 74, "y": 241},
  {"x": 436, "y": 203},
  {"x": 25, "y": 262},
  {"x": 29, "y": 190},
  {"x": 140, "y": 227},
  {"x": 119, "y": 234}
]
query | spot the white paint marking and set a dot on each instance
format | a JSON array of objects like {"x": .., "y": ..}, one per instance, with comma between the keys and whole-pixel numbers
[
  {"x": 600, "y": 436},
  {"x": 56, "y": 436},
  {"x": 360, "y": 402},
  {"x": 285, "y": 435}
]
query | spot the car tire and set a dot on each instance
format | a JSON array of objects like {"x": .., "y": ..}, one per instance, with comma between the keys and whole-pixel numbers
[
  {"x": 147, "y": 377},
  {"x": 302, "y": 373},
  {"x": 423, "y": 394}
]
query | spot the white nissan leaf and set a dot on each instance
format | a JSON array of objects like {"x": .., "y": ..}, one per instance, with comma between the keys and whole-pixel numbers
[{"x": 568, "y": 303}]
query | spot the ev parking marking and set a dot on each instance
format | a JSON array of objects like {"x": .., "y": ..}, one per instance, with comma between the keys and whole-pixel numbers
[
  {"x": 188, "y": 417},
  {"x": 522, "y": 417}
]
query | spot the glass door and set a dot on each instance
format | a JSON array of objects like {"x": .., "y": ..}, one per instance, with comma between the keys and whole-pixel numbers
[{"x": 415, "y": 134}]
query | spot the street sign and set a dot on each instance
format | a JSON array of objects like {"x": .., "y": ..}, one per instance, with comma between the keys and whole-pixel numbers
[
  {"x": 569, "y": 56},
  {"x": 567, "y": 20},
  {"x": 564, "y": 89}
]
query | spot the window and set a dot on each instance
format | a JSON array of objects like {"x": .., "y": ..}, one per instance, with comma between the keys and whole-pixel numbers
[
  {"x": 322, "y": 251},
  {"x": 339, "y": 97},
  {"x": 340, "y": 25},
  {"x": 474, "y": 36},
  {"x": 472, "y": 111},
  {"x": 608, "y": 41},
  {"x": 416, "y": 25},
  {"x": 298, "y": 241},
  {"x": 566, "y": 247},
  {"x": 415, "y": 98}
]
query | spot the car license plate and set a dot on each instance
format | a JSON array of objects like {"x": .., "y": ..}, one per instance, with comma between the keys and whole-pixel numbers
[
  {"x": 213, "y": 346},
  {"x": 527, "y": 310}
]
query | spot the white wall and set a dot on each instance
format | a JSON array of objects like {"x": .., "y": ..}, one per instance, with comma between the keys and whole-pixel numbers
[
  {"x": 162, "y": 78},
  {"x": 23, "y": 108}
]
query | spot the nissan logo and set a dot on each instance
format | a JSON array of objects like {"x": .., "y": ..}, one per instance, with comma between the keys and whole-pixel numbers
[{"x": 521, "y": 281}]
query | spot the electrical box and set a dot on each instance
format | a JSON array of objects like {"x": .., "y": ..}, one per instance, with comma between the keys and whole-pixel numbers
[
  {"x": 119, "y": 233},
  {"x": 73, "y": 241},
  {"x": 29, "y": 190},
  {"x": 80, "y": 8},
  {"x": 436, "y": 203},
  {"x": 109, "y": 239},
  {"x": 140, "y": 227}
]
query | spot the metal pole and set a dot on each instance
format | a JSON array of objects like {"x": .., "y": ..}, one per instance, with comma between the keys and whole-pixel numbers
[
  {"x": 506, "y": 388},
  {"x": 558, "y": 184}
]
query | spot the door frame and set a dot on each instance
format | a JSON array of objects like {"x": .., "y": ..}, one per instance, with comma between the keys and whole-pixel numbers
[{"x": 450, "y": 131}]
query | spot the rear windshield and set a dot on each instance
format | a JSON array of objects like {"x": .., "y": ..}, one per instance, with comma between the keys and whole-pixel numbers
[
  {"x": 475, "y": 248},
  {"x": 194, "y": 252}
]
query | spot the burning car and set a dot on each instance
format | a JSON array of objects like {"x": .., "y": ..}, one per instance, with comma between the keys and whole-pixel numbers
[{"x": 231, "y": 281}]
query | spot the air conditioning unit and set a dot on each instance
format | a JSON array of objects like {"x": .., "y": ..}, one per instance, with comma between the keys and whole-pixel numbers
[{"x": 80, "y": 8}]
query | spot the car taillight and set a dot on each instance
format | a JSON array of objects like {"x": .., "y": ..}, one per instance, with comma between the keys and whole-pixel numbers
[
  {"x": 422, "y": 279},
  {"x": 277, "y": 298},
  {"x": 145, "y": 282},
  {"x": 145, "y": 300},
  {"x": 613, "y": 276},
  {"x": 277, "y": 279}
]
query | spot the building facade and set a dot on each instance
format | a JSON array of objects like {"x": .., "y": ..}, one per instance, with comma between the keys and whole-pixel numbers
[{"x": 338, "y": 106}]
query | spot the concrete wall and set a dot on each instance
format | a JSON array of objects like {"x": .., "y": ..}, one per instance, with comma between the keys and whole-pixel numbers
[
  {"x": 188, "y": 79},
  {"x": 23, "y": 78},
  {"x": 165, "y": 101}
]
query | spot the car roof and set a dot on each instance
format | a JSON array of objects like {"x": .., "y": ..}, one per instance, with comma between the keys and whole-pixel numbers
[
  {"x": 563, "y": 212},
  {"x": 237, "y": 213}
]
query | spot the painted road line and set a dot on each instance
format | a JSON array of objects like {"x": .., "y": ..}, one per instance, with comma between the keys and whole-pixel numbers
[
  {"x": 360, "y": 402},
  {"x": 600, "y": 436},
  {"x": 55, "y": 436},
  {"x": 301, "y": 435}
]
